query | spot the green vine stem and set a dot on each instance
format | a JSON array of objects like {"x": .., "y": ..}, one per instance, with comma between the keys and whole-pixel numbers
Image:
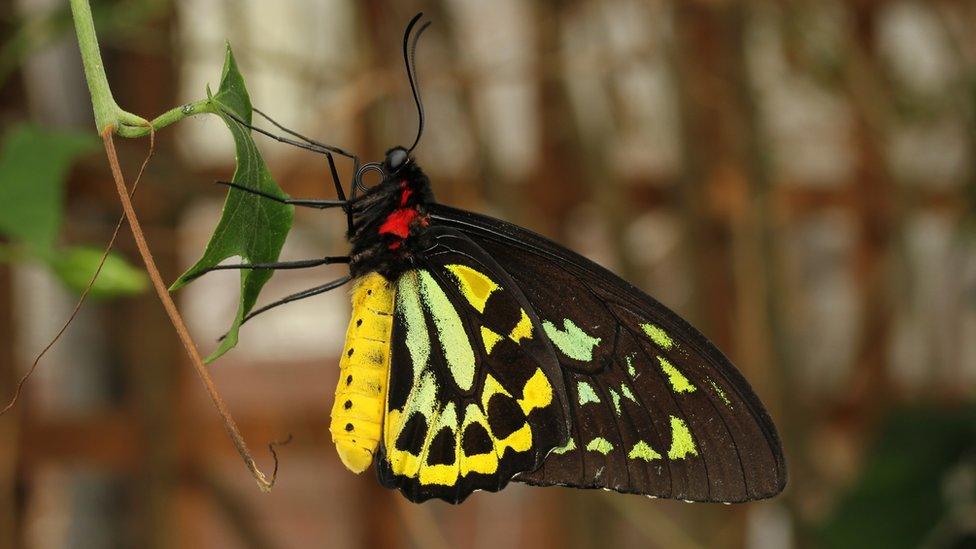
[
  {"x": 169, "y": 117},
  {"x": 109, "y": 117}
]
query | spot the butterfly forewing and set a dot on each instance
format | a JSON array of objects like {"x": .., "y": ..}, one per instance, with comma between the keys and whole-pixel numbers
[
  {"x": 655, "y": 408},
  {"x": 475, "y": 389}
]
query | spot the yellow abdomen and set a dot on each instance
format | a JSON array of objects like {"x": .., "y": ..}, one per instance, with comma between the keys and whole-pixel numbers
[{"x": 357, "y": 415}]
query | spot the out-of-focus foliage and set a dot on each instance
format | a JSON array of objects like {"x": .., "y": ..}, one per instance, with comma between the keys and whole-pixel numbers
[
  {"x": 251, "y": 226},
  {"x": 920, "y": 480},
  {"x": 33, "y": 165},
  {"x": 122, "y": 21},
  {"x": 75, "y": 265}
]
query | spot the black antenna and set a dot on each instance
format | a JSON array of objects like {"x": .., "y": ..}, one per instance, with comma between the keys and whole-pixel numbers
[{"x": 409, "y": 51}]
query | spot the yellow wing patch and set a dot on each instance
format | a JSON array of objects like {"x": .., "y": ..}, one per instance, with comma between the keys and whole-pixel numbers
[
  {"x": 490, "y": 339},
  {"x": 443, "y": 474},
  {"x": 475, "y": 286},
  {"x": 537, "y": 392},
  {"x": 522, "y": 330},
  {"x": 484, "y": 463}
]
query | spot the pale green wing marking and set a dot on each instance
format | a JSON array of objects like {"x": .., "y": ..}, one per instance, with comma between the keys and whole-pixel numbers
[
  {"x": 422, "y": 399},
  {"x": 678, "y": 381},
  {"x": 721, "y": 394},
  {"x": 450, "y": 331},
  {"x": 489, "y": 338},
  {"x": 600, "y": 444},
  {"x": 417, "y": 338},
  {"x": 630, "y": 365},
  {"x": 586, "y": 393},
  {"x": 643, "y": 450},
  {"x": 425, "y": 399},
  {"x": 682, "y": 444},
  {"x": 616, "y": 401},
  {"x": 568, "y": 447},
  {"x": 627, "y": 394},
  {"x": 658, "y": 336},
  {"x": 571, "y": 340}
]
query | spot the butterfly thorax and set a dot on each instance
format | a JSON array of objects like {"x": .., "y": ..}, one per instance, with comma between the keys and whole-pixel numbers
[{"x": 389, "y": 223}]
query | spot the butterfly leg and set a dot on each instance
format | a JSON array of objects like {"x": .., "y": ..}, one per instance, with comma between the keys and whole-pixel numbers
[
  {"x": 295, "y": 297},
  {"x": 318, "y": 204},
  {"x": 283, "y": 265},
  {"x": 338, "y": 188},
  {"x": 336, "y": 182},
  {"x": 308, "y": 140},
  {"x": 306, "y": 143}
]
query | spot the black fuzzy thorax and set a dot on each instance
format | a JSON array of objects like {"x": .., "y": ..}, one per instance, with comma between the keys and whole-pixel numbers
[{"x": 388, "y": 253}]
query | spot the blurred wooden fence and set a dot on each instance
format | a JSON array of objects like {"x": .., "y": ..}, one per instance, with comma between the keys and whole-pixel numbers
[{"x": 664, "y": 138}]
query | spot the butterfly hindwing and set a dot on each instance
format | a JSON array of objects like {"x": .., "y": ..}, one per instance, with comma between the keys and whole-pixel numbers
[
  {"x": 656, "y": 409},
  {"x": 475, "y": 390}
]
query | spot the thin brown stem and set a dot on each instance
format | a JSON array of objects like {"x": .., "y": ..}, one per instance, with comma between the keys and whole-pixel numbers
[
  {"x": 177, "y": 320},
  {"x": 91, "y": 283}
]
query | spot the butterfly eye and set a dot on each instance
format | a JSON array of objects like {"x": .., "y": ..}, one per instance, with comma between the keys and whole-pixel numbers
[{"x": 395, "y": 158}]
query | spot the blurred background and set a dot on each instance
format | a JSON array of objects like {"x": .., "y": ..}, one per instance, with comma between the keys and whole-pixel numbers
[{"x": 795, "y": 177}]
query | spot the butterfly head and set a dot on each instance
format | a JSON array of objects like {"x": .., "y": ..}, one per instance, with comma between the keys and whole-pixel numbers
[
  {"x": 396, "y": 158},
  {"x": 397, "y": 169},
  {"x": 389, "y": 220}
]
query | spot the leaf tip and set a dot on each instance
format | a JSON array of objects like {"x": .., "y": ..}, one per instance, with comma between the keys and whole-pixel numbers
[{"x": 228, "y": 343}]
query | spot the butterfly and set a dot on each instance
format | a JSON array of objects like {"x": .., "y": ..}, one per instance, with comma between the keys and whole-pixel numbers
[{"x": 480, "y": 353}]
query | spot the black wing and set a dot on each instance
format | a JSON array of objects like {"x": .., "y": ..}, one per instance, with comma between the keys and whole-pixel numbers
[
  {"x": 475, "y": 390},
  {"x": 656, "y": 408}
]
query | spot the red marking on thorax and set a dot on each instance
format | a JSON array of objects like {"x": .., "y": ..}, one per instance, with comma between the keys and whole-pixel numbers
[
  {"x": 398, "y": 222},
  {"x": 405, "y": 195}
]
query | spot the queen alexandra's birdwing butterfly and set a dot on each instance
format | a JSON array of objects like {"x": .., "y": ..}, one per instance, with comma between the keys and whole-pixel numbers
[{"x": 479, "y": 352}]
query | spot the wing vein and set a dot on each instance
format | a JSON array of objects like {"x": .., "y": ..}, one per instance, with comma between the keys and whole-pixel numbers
[
  {"x": 658, "y": 373},
  {"x": 606, "y": 400}
]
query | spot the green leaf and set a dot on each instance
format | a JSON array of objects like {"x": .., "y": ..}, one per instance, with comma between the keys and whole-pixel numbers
[
  {"x": 251, "y": 227},
  {"x": 75, "y": 266},
  {"x": 33, "y": 166}
]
